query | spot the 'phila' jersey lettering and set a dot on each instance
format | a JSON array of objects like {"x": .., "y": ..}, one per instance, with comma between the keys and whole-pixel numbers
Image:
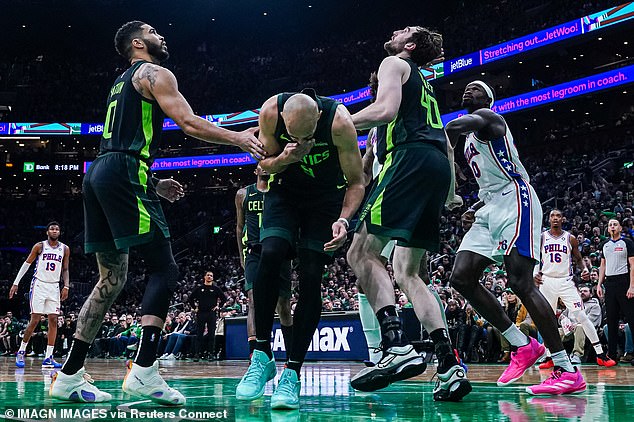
[
  {"x": 133, "y": 124},
  {"x": 494, "y": 162},
  {"x": 320, "y": 168},
  {"x": 418, "y": 118},
  {"x": 252, "y": 208},
  {"x": 48, "y": 267},
  {"x": 556, "y": 255}
]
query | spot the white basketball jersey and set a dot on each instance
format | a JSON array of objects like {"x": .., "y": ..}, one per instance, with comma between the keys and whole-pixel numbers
[
  {"x": 494, "y": 162},
  {"x": 376, "y": 166},
  {"x": 48, "y": 268},
  {"x": 556, "y": 255}
]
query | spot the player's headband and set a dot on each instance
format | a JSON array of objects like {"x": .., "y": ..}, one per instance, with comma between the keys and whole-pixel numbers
[{"x": 486, "y": 89}]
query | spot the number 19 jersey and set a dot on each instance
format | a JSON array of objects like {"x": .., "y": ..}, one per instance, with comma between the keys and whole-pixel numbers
[{"x": 48, "y": 268}]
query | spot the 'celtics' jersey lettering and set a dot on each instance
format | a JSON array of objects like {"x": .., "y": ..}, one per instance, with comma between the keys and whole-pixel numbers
[
  {"x": 320, "y": 168},
  {"x": 133, "y": 123},
  {"x": 252, "y": 208},
  {"x": 418, "y": 119}
]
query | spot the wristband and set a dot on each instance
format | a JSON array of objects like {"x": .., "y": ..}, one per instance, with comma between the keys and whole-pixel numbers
[
  {"x": 66, "y": 287},
  {"x": 344, "y": 221}
]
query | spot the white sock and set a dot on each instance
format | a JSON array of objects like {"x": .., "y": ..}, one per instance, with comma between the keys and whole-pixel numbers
[
  {"x": 515, "y": 336},
  {"x": 23, "y": 346},
  {"x": 562, "y": 360},
  {"x": 597, "y": 348},
  {"x": 49, "y": 351},
  {"x": 369, "y": 322}
]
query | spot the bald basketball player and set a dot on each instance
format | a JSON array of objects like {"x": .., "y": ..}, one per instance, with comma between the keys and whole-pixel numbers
[{"x": 316, "y": 187}]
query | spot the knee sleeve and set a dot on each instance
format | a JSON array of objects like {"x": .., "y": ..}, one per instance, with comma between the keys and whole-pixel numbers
[{"x": 163, "y": 277}]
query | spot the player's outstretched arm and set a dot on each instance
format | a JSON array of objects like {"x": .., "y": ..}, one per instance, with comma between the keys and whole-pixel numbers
[
  {"x": 482, "y": 120},
  {"x": 161, "y": 84},
  {"x": 388, "y": 97},
  {"x": 35, "y": 251}
]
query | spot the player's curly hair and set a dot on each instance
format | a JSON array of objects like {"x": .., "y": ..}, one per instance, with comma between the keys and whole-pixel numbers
[
  {"x": 52, "y": 223},
  {"x": 428, "y": 45},
  {"x": 124, "y": 36}
]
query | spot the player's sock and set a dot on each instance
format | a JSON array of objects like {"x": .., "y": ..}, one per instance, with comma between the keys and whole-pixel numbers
[
  {"x": 23, "y": 347},
  {"x": 264, "y": 346},
  {"x": 598, "y": 348},
  {"x": 295, "y": 366},
  {"x": 562, "y": 360},
  {"x": 287, "y": 332},
  {"x": 369, "y": 322},
  {"x": 49, "y": 351},
  {"x": 391, "y": 327},
  {"x": 515, "y": 336},
  {"x": 76, "y": 357},
  {"x": 252, "y": 343},
  {"x": 443, "y": 349},
  {"x": 148, "y": 345}
]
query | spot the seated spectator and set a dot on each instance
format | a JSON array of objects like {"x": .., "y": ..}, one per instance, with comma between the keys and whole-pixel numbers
[{"x": 176, "y": 338}]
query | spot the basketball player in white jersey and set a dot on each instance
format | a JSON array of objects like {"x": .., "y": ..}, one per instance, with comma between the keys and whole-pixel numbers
[
  {"x": 52, "y": 258},
  {"x": 555, "y": 278},
  {"x": 506, "y": 229}
]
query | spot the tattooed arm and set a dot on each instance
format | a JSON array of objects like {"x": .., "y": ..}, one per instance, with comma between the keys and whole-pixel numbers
[
  {"x": 113, "y": 271},
  {"x": 157, "y": 83}
]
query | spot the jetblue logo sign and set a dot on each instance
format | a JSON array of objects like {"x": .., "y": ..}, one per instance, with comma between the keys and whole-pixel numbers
[
  {"x": 462, "y": 63},
  {"x": 328, "y": 339}
]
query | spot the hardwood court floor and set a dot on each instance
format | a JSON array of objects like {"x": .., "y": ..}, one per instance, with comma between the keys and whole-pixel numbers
[{"x": 326, "y": 395}]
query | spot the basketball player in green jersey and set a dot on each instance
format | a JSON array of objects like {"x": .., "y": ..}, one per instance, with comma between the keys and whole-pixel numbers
[
  {"x": 249, "y": 207},
  {"x": 405, "y": 204},
  {"x": 316, "y": 187},
  {"x": 122, "y": 210}
]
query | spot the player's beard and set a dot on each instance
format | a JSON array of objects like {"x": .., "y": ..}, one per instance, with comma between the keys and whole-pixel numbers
[
  {"x": 157, "y": 51},
  {"x": 392, "y": 48}
]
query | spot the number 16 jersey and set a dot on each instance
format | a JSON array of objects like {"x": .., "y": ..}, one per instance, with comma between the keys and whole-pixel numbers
[{"x": 556, "y": 253}]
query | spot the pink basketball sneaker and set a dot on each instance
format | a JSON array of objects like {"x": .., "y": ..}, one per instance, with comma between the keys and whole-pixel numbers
[
  {"x": 559, "y": 382},
  {"x": 524, "y": 358}
]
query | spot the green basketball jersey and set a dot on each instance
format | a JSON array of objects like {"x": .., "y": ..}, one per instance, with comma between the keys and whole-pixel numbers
[
  {"x": 252, "y": 208},
  {"x": 418, "y": 118},
  {"x": 319, "y": 169},
  {"x": 133, "y": 124}
]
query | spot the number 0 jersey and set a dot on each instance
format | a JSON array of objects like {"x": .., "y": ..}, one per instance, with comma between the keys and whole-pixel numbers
[
  {"x": 495, "y": 163},
  {"x": 134, "y": 124},
  {"x": 556, "y": 259},
  {"x": 48, "y": 267}
]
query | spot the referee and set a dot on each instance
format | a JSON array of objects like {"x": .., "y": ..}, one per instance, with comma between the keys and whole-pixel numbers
[
  {"x": 210, "y": 299},
  {"x": 617, "y": 272}
]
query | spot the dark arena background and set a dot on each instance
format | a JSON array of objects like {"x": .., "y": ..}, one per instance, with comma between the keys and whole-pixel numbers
[{"x": 562, "y": 73}]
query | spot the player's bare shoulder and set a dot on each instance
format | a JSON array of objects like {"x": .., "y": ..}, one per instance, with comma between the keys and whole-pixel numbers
[{"x": 146, "y": 77}]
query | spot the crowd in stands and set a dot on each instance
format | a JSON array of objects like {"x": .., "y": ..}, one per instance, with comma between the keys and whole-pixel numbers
[{"x": 586, "y": 181}]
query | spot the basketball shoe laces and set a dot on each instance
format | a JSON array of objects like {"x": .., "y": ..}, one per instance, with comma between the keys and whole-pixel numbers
[
  {"x": 556, "y": 374},
  {"x": 255, "y": 371}
]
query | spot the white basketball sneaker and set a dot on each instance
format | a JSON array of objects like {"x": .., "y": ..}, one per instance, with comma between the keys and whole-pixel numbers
[
  {"x": 77, "y": 388},
  {"x": 148, "y": 383}
]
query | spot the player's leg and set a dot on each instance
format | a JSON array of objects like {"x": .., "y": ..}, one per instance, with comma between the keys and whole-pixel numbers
[
  {"x": 402, "y": 361},
  {"x": 251, "y": 262},
  {"x": 251, "y": 322},
  {"x": 28, "y": 332},
  {"x": 51, "y": 337},
  {"x": 520, "y": 279},
  {"x": 369, "y": 322},
  {"x": 573, "y": 302},
  {"x": 283, "y": 307},
  {"x": 70, "y": 383},
  {"x": 143, "y": 379},
  {"x": 452, "y": 384}
]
